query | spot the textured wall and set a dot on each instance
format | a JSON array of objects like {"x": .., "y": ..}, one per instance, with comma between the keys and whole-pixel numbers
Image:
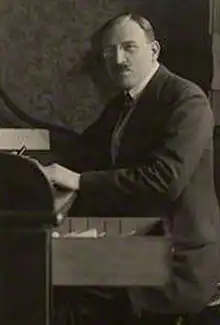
[
  {"x": 43, "y": 43},
  {"x": 41, "y": 56}
]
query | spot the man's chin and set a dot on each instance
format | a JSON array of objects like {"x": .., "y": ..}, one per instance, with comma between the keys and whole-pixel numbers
[{"x": 124, "y": 83}]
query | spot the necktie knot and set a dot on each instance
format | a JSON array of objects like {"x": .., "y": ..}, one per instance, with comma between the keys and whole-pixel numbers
[{"x": 128, "y": 102}]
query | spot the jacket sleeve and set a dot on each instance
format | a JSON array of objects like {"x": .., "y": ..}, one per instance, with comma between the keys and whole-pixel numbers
[{"x": 168, "y": 170}]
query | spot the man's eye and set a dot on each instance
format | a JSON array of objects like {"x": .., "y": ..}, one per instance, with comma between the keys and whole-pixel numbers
[{"x": 130, "y": 47}]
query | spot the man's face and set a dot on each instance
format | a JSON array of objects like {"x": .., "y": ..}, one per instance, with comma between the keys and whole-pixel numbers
[{"x": 128, "y": 54}]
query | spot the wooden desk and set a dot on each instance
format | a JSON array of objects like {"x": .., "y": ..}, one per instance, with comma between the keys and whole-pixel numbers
[
  {"x": 32, "y": 262},
  {"x": 110, "y": 261},
  {"x": 28, "y": 210}
]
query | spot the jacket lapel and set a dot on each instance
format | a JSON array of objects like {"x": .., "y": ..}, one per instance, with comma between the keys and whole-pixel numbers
[{"x": 142, "y": 126}]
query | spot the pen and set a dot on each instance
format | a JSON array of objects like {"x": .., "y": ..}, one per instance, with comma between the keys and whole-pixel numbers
[{"x": 21, "y": 151}]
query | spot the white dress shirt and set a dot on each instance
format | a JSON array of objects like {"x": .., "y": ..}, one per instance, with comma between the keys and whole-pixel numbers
[{"x": 136, "y": 91}]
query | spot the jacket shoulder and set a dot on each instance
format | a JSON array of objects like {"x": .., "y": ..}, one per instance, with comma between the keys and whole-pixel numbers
[
  {"x": 179, "y": 99},
  {"x": 178, "y": 87}
]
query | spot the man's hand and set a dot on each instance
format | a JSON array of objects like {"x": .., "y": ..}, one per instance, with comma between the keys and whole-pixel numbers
[
  {"x": 58, "y": 174},
  {"x": 62, "y": 176}
]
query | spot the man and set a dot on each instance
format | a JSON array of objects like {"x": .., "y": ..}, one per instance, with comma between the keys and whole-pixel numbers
[{"x": 153, "y": 157}]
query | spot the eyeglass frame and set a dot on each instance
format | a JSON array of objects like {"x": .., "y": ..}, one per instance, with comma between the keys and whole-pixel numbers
[{"x": 110, "y": 50}]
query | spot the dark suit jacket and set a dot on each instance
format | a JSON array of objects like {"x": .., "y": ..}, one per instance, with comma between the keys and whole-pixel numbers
[{"x": 164, "y": 169}]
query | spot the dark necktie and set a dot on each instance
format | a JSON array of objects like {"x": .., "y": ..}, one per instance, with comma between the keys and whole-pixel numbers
[
  {"x": 128, "y": 103},
  {"x": 126, "y": 109}
]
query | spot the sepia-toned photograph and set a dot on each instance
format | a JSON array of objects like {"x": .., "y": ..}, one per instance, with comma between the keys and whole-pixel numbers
[{"x": 110, "y": 162}]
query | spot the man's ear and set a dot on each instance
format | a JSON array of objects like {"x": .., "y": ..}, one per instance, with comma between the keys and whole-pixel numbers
[{"x": 156, "y": 49}]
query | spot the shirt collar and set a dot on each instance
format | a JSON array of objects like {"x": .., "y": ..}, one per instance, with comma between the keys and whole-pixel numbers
[{"x": 135, "y": 92}]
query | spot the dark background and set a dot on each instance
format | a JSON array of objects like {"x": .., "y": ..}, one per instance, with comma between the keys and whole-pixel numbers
[{"x": 43, "y": 46}]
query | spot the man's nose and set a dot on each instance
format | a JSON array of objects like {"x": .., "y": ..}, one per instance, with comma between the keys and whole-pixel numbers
[{"x": 119, "y": 55}]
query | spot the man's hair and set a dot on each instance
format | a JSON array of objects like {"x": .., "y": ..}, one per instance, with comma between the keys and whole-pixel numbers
[{"x": 98, "y": 37}]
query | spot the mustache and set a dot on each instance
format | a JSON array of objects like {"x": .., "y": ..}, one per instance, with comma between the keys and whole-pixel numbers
[{"x": 122, "y": 68}]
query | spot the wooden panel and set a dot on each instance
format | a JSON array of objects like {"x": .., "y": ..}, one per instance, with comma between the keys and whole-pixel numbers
[
  {"x": 110, "y": 261},
  {"x": 111, "y": 226},
  {"x": 216, "y": 15},
  {"x": 217, "y": 161},
  {"x": 79, "y": 224},
  {"x": 216, "y": 61},
  {"x": 215, "y": 100}
]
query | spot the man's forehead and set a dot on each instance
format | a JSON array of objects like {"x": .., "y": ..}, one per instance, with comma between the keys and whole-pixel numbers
[{"x": 124, "y": 29}]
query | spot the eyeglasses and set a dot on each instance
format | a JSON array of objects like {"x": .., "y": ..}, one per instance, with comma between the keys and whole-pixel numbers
[{"x": 128, "y": 48}]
